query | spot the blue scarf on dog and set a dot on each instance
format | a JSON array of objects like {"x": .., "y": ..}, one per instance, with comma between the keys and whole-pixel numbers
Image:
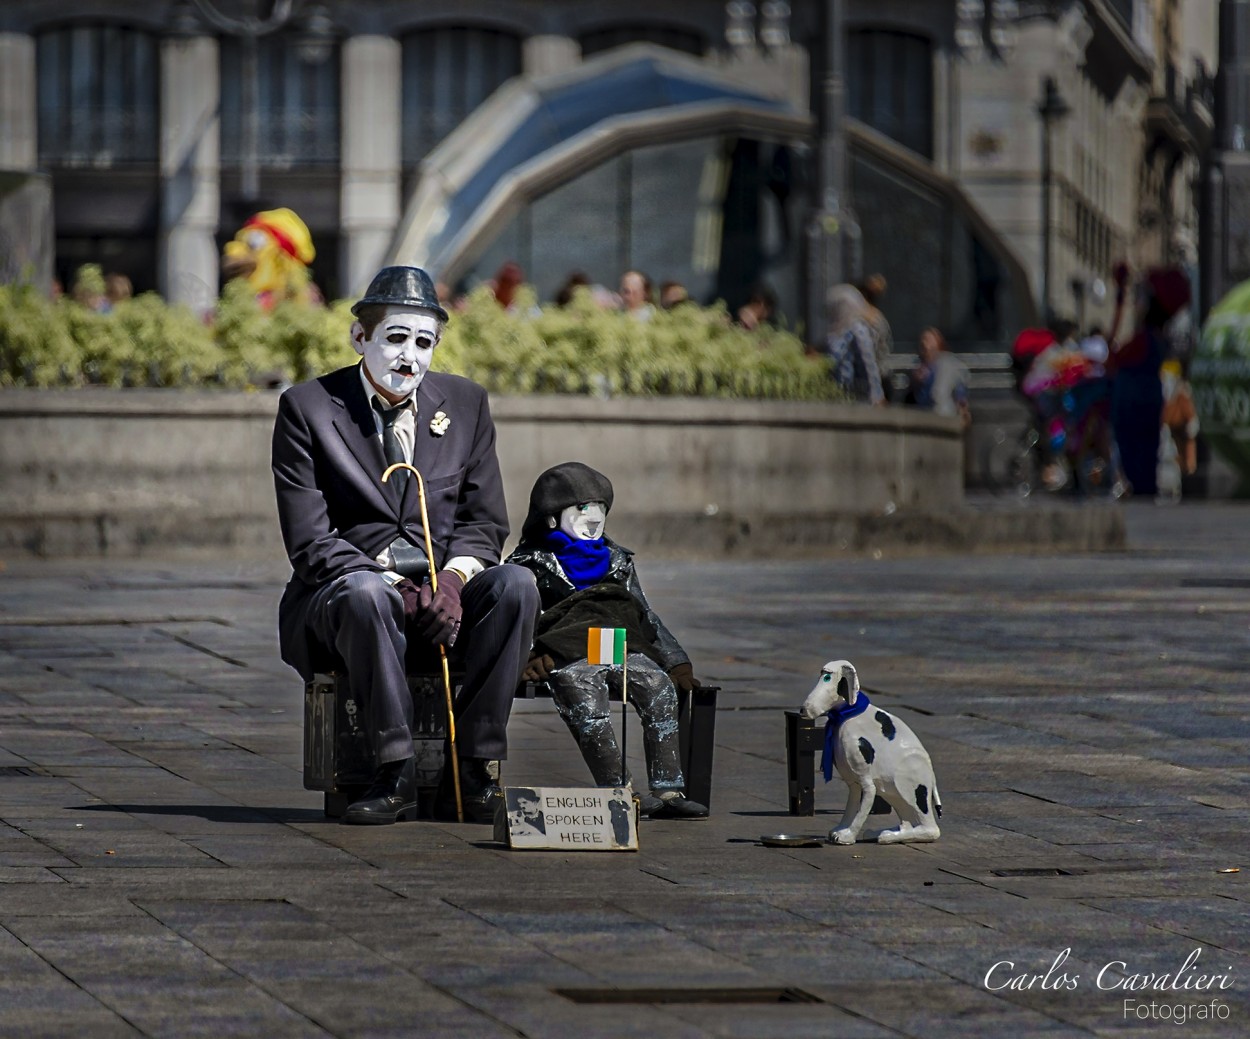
[
  {"x": 836, "y": 717},
  {"x": 584, "y": 562}
]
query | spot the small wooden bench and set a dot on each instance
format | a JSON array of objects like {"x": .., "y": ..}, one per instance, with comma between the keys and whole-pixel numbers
[{"x": 338, "y": 759}]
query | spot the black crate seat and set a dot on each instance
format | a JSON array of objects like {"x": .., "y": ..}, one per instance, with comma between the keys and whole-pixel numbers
[
  {"x": 805, "y": 738},
  {"x": 338, "y": 759}
]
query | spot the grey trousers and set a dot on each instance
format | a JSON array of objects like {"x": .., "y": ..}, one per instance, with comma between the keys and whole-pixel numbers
[
  {"x": 580, "y": 691},
  {"x": 361, "y": 618}
]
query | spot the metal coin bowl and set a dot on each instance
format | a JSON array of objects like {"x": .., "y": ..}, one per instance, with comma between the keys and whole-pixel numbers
[{"x": 790, "y": 840}]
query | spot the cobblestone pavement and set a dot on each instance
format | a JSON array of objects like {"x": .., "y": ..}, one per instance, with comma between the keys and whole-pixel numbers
[{"x": 163, "y": 873}]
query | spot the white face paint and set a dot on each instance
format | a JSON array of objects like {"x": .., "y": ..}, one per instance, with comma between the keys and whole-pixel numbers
[
  {"x": 399, "y": 352},
  {"x": 584, "y": 522}
]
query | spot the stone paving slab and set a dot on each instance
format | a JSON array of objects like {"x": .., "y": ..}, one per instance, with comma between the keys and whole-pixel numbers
[{"x": 163, "y": 873}]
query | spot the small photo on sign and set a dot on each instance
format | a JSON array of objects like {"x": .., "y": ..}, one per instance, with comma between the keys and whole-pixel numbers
[{"x": 553, "y": 818}]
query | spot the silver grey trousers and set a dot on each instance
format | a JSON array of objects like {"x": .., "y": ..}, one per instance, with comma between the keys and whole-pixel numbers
[{"x": 581, "y": 691}]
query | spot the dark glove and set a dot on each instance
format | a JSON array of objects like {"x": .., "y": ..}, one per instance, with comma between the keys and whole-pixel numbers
[
  {"x": 538, "y": 669},
  {"x": 411, "y": 597},
  {"x": 683, "y": 677},
  {"x": 439, "y": 615}
]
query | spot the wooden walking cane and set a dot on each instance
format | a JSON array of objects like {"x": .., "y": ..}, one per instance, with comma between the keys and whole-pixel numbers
[{"x": 442, "y": 650}]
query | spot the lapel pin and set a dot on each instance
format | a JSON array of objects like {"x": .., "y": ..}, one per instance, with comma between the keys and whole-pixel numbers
[{"x": 439, "y": 423}]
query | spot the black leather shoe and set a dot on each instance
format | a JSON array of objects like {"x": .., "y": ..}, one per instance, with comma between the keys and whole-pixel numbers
[
  {"x": 392, "y": 796},
  {"x": 649, "y": 804},
  {"x": 674, "y": 805},
  {"x": 479, "y": 793}
]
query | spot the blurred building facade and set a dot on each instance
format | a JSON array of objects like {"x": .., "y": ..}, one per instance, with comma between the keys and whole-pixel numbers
[
  {"x": 1134, "y": 122},
  {"x": 361, "y": 117}
]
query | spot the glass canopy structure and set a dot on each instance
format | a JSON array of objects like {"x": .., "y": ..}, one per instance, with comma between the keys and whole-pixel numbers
[{"x": 644, "y": 158}]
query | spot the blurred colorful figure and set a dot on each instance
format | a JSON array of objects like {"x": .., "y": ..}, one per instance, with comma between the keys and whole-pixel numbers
[{"x": 272, "y": 252}]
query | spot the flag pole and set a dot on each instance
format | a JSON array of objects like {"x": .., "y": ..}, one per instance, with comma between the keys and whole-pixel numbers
[{"x": 624, "y": 701}]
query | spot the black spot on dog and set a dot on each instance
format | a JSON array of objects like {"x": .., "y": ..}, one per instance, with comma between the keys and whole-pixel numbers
[
  {"x": 922, "y": 799},
  {"x": 865, "y": 748},
  {"x": 887, "y": 725}
]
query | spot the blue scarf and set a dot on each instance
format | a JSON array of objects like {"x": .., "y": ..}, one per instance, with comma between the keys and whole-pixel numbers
[
  {"x": 584, "y": 562},
  {"x": 836, "y": 717}
]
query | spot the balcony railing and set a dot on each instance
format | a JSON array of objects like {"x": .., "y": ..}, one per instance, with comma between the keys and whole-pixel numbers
[
  {"x": 97, "y": 136},
  {"x": 289, "y": 137}
]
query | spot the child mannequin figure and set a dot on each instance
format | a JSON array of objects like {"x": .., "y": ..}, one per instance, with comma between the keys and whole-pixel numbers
[{"x": 587, "y": 580}]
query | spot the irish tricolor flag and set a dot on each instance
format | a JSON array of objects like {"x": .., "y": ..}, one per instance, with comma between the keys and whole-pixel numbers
[{"x": 606, "y": 646}]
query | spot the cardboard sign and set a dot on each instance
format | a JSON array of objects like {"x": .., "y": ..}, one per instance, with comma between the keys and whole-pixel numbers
[{"x": 553, "y": 818}]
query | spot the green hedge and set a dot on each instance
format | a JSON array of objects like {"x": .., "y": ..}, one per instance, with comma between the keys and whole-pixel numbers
[{"x": 581, "y": 349}]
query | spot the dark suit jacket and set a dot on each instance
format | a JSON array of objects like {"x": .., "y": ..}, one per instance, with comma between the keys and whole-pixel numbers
[{"x": 337, "y": 515}]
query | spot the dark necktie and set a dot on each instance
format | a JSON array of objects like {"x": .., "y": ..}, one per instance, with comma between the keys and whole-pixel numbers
[
  {"x": 391, "y": 447},
  {"x": 410, "y": 561}
]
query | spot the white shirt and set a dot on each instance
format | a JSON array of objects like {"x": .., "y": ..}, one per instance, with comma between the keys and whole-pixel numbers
[
  {"x": 406, "y": 430},
  {"x": 405, "y": 422}
]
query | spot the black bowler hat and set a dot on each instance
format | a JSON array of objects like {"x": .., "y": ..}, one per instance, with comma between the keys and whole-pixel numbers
[
  {"x": 402, "y": 287},
  {"x": 569, "y": 483}
]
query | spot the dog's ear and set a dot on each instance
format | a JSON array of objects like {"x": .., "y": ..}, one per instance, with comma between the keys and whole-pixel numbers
[{"x": 848, "y": 685}]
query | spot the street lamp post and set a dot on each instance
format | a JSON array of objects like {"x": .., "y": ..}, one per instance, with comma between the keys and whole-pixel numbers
[
  {"x": 314, "y": 46},
  {"x": 1078, "y": 294},
  {"x": 832, "y": 225},
  {"x": 1051, "y": 108}
]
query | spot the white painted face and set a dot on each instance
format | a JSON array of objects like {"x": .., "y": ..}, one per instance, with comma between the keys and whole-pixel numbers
[
  {"x": 399, "y": 352},
  {"x": 584, "y": 522}
]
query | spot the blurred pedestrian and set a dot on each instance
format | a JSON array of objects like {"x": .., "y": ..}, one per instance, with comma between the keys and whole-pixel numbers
[
  {"x": 576, "y": 280},
  {"x": 672, "y": 294},
  {"x": 1180, "y": 417},
  {"x": 117, "y": 288},
  {"x": 873, "y": 290},
  {"x": 636, "y": 296},
  {"x": 1137, "y": 388},
  {"x": 758, "y": 309},
  {"x": 850, "y": 346},
  {"x": 507, "y": 280},
  {"x": 1028, "y": 345},
  {"x": 939, "y": 381}
]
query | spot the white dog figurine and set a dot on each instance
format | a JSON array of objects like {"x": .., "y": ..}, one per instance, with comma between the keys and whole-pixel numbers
[{"x": 876, "y": 754}]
